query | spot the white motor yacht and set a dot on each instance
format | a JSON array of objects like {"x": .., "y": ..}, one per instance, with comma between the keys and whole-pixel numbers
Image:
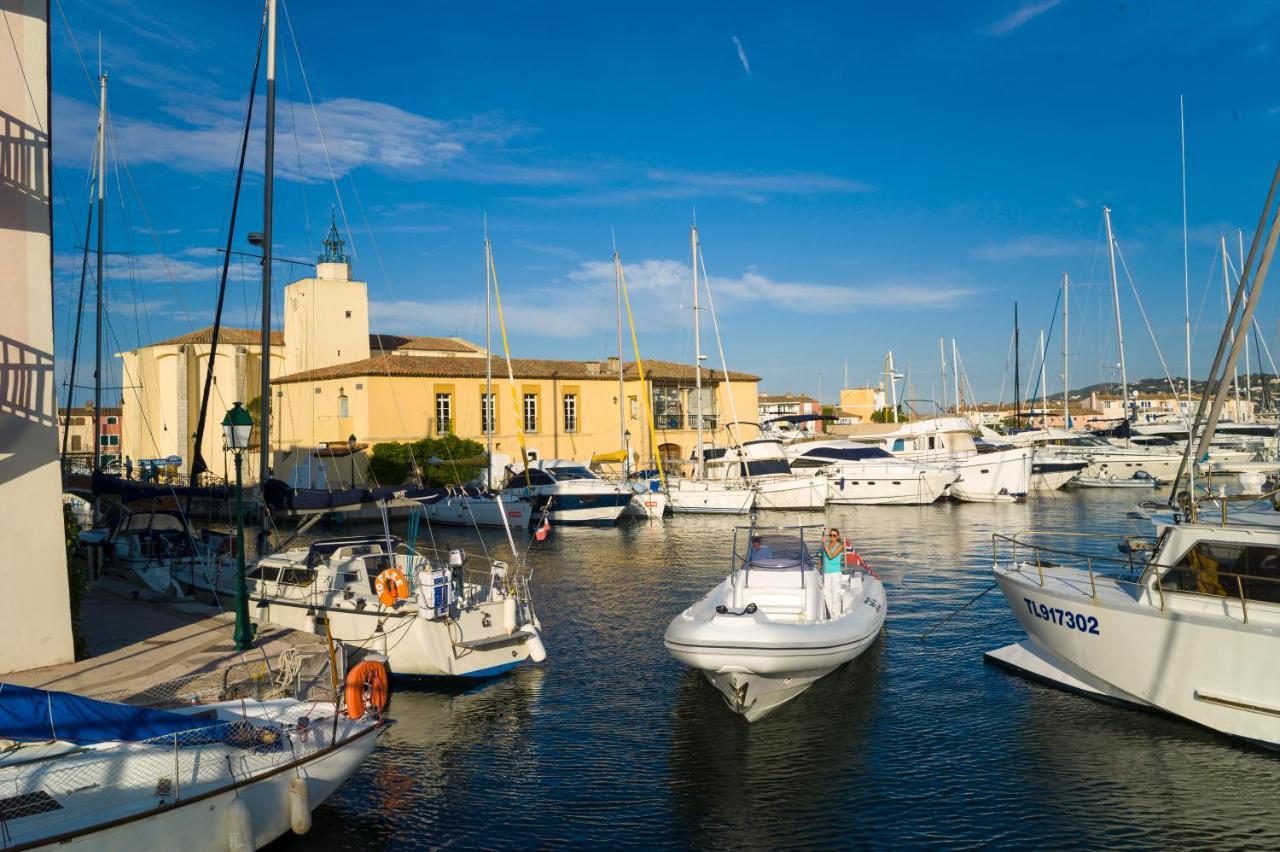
[
  {"x": 860, "y": 474},
  {"x": 997, "y": 475},
  {"x": 1194, "y": 631},
  {"x": 776, "y": 624},
  {"x": 567, "y": 492},
  {"x": 90, "y": 774},
  {"x": 1102, "y": 457},
  {"x": 428, "y": 615}
]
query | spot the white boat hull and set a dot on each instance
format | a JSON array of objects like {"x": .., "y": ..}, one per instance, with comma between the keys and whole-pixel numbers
[
  {"x": 997, "y": 477},
  {"x": 692, "y": 497},
  {"x": 888, "y": 485},
  {"x": 1160, "y": 465},
  {"x": 1196, "y": 658},
  {"x": 791, "y": 493},
  {"x": 460, "y": 511},
  {"x": 646, "y": 505},
  {"x": 760, "y": 660}
]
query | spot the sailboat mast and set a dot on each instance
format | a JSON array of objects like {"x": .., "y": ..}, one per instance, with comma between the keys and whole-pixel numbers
[
  {"x": 1066, "y": 362},
  {"x": 97, "y": 360},
  {"x": 955, "y": 372},
  {"x": 1186, "y": 269},
  {"x": 268, "y": 185},
  {"x": 1248, "y": 373},
  {"x": 697, "y": 349},
  {"x": 1044, "y": 386},
  {"x": 1115, "y": 298},
  {"x": 942, "y": 361},
  {"x": 622, "y": 415},
  {"x": 893, "y": 388},
  {"x": 1017, "y": 370},
  {"x": 489, "y": 407},
  {"x": 1226, "y": 290}
]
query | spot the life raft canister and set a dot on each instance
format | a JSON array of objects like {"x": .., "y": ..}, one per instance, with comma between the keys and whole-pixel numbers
[
  {"x": 391, "y": 586},
  {"x": 367, "y": 684}
]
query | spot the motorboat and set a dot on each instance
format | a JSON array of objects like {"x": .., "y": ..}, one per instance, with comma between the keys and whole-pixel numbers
[
  {"x": 1141, "y": 479},
  {"x": 705, "y": 497},
  {"x": 1102, "y": 457},
  {"x": 762, "y": 465},
  {"x": 1194, "y": 630},
  {"x": 428, "y": 613},
  {"x": 567, "y": 492},
  {"x": 150, "y": 545},
  {"x": 477, "y": 506},
  {"x": 859, "y": 474},
  {"x": 985, "y": 475},
  {"x": 776, "y": 625},
  {"x": 83, "y": 773}
]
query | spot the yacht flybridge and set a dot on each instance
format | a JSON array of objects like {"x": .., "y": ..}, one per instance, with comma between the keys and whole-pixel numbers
[
  {"x": 776, "y": 623},
  {"x": 761, "y": 466},
  {"x": 983, "y": 477}
]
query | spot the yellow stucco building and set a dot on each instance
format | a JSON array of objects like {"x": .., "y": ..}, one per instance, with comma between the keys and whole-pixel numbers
[{"x": 333, "y": 380}]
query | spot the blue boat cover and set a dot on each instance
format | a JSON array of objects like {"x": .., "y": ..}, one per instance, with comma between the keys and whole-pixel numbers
[{"x": 36, "y": 715}]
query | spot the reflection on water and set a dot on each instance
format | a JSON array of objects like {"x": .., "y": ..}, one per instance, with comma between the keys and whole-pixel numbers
[{"x": 916, "y": 742}]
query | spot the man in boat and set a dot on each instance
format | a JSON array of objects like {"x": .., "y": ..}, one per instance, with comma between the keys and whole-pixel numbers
[{"x": 759, "y": 550}]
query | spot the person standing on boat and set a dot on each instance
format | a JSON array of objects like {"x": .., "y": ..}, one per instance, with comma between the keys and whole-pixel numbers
[
  {"x": 832, "y": 566},
  {"x": 128, "y": 468}
]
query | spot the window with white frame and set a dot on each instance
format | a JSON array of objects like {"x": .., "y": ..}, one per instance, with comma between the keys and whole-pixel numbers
[
  {"x": 571, "y": 412},
  {"x": 444, "y": 413},
  {"x": 486, "y": 413},
  {"x": 531, "y": 412}
]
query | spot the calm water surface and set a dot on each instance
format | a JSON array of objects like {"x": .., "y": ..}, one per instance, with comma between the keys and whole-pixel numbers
[{"x": 916, "y": 743}]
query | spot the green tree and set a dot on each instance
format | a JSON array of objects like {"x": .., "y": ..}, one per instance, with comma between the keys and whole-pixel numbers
[
  {"x": 447, "y": 460},
  {"x": 885, "y": 415}
]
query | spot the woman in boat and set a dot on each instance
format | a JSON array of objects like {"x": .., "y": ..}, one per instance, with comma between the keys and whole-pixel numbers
[{"x": 832, "y": 566}]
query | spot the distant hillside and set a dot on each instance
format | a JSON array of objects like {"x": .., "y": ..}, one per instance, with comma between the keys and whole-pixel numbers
[{"x": 1146, "y": 387}]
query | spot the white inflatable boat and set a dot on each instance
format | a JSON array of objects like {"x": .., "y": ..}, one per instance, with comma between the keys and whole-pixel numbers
[{"x": 776, "y": 624}]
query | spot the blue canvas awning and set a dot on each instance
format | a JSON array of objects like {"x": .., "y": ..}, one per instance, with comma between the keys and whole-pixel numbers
[{"x": 36, "y": 715}]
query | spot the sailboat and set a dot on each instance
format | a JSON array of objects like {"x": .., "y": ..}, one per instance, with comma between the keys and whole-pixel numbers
[
  {"x": 700, "y": 495},
  {"x": 1190, "y": 631}
]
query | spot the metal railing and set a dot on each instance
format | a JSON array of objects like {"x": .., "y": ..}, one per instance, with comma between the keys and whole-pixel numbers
[{"x": 1205, "y": 579}]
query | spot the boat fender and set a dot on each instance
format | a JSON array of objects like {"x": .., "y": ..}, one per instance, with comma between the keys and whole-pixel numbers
[
  {"x": 749, "y": 609},
  {"x": 509, "y": 615},
  {"x": 299, "y": 806},
  {"x": 239, "y": 827},
  {"x": 391, "y": 586},
  {"x": 367, "y": 685},
  {"x": 537, "y": 650}
]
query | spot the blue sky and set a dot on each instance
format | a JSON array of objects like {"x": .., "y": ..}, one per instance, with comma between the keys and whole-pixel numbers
[{"x": 866, "y": 177}]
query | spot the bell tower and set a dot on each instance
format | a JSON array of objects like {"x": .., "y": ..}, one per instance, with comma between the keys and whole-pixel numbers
[{"x": 326, "y": 317}]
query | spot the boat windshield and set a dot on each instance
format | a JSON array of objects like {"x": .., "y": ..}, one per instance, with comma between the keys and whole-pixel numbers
[
  {"x": 563, "y": 473},
  {"x": 764, "y": 467},
  {"x": 778, "y": 552},
  {"x": 848, "y": 453}
]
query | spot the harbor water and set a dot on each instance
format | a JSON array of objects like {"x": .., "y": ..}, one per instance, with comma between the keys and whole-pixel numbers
[{"x": 916, "y": 743}]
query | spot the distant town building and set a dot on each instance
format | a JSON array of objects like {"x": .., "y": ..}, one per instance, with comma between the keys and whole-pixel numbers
[
  {"x": 77, "y": 426},
  {"x": 858, "y": 404},
  {"x": 332, "y": 380},
  {"x": 788, "y": 405}
]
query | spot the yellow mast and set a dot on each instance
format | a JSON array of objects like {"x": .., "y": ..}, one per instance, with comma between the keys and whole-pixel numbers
[{"x": 644, "y": 393}]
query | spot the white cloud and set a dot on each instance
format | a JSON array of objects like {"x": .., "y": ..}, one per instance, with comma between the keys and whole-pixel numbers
[
  {"x": 1020, "y": 16},
  {"x": 742, "y": 56},
  {"x": 140, "y": 268},
  {"x": 1033, "y": 246},
  {"x": 204, "y": 136}
]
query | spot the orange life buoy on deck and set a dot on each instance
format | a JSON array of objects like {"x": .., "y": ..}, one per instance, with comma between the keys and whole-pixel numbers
[
  {"x": 391, "y": 586},
  {"x": 373, "y": 676}
]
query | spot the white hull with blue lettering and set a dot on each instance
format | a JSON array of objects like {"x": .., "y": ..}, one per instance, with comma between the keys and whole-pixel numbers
[{"x": 1175, "y": 635}]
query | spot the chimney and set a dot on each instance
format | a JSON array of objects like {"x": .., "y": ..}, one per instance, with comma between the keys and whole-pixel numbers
[
  {"x": 593, "y": 368},
  {"x": 613, "y": 365}
]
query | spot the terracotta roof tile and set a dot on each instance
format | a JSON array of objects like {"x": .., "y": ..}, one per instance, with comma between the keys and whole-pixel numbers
[
  {"x": 234, "y": 336},
  {"x": 442, "y": 366}
]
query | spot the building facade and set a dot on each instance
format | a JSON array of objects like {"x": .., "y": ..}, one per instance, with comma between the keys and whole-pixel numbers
[
  {"x": 333, "y": 381},
  {"x": 76, "y": 427},
  {"x": 790, "y": 405}
]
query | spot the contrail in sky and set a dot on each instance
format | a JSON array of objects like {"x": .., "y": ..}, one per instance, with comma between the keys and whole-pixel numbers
[{"x": 742, "y": 56}]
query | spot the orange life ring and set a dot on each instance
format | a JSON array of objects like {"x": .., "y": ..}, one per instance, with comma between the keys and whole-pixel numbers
[
  {"x": 368, "y": 675},
  {"x": 391, "y": 586}
]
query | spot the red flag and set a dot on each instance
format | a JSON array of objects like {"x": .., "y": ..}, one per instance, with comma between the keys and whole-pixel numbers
[{"x": 543, "y": 531}]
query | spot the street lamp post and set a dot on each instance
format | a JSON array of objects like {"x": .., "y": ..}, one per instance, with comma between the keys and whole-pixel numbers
[
  {"x": 237, "y": 426},
  {"x": 351, "y": 447},
  {"x": 626, "y": 451}
]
